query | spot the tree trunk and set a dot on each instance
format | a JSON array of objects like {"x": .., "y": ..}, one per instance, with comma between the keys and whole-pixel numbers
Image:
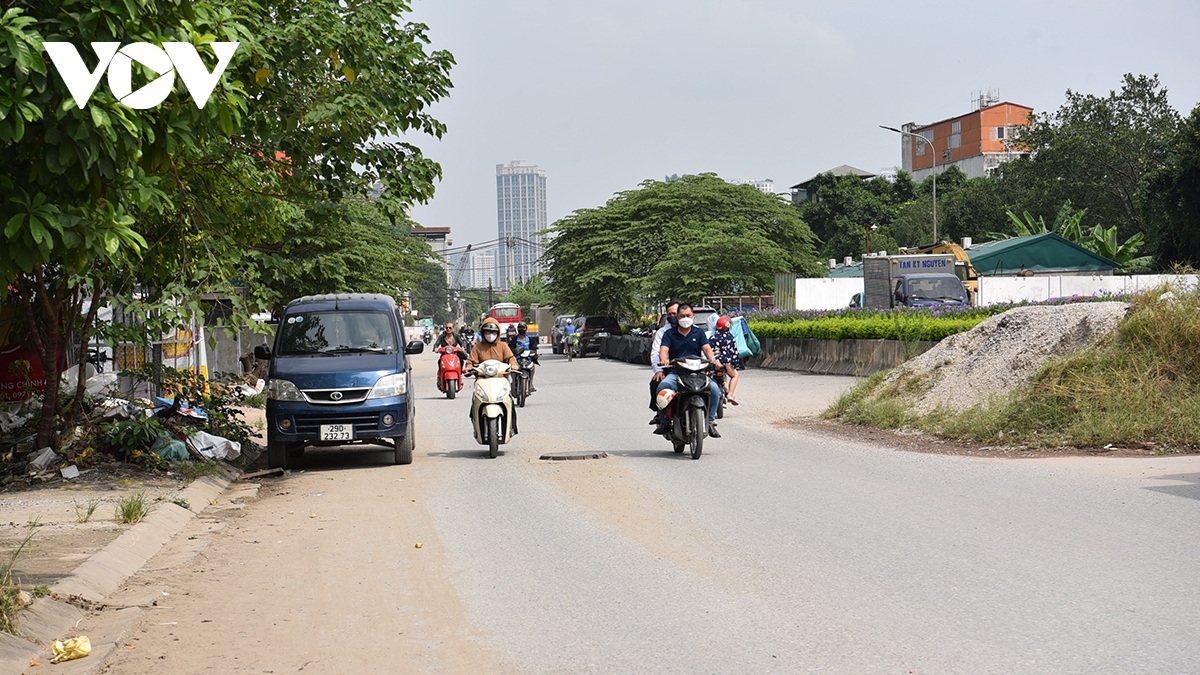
[
  {"x": 45, "y": 336},
  {"x": 84, "y": 335}
]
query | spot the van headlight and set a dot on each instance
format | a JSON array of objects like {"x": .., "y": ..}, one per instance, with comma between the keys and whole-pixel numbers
[
  {"x": 388, "y": 385},
  {"x": 283, "y": 390}
]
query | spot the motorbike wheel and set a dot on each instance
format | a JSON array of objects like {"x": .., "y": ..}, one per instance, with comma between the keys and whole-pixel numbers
[
  {"x": 276, "y": 455},
  {"x": 697, "y": 428},
  {"x": 721, "y": 408},
  {"x": 406, "y": 445},
  {"x": 493, "y": 426},
  {"x": 570, "y": 354},
  {"x": 451, "y": 389}
]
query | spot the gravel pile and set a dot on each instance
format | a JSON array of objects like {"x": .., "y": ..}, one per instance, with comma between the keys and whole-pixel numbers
[{"x": 1002, "y": 352}]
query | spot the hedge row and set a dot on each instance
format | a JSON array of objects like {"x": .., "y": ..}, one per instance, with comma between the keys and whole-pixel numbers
[{"x": 894, "y": 327}]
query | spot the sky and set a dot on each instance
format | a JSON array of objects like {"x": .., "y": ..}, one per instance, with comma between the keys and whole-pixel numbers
[{"x": 603, "y": 95}]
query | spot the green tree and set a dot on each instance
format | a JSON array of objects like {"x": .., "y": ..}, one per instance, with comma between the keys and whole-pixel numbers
[
  {"x": 1096, "y": 151},
  {"x": 151, "y": 209},
  {"x": 599, "y": 258},
  {"x": 432, "y": 297},
  {"x": 532, "y": 290},
  {"x": 1171, "y": 199},
  {"x": 723, "y": 260}
]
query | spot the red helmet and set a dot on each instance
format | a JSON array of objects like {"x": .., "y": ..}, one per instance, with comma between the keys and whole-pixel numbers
[{"x": 724, "y": 323}]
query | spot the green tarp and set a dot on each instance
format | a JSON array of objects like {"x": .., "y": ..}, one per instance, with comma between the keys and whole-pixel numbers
[{"x": 1039, "y": 253}]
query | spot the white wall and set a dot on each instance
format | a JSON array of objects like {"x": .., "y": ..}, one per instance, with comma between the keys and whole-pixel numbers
[
  {"x": 993, "y": 290},
  {"x": 836, "y": 293},
  {"x": 826, "y": 293}
]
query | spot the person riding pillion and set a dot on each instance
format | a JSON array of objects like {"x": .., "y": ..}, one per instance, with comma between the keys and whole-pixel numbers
[
  {"x": 671, "y": 324},
  {"x": 687, "y": 341}
]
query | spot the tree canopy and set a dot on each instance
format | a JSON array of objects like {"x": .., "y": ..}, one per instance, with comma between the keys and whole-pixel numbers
[
  {"x": 151, "y": 209},
  {"x": 685, "y": 237}
]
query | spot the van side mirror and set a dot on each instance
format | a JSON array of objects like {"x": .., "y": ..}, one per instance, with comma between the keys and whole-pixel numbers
[
  {"x": 262, "y": 353},
  {"x": 414, "y": 347}
]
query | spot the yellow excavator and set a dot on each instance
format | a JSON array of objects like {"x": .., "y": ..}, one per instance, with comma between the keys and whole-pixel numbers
[{"x": 962, "y": 264}]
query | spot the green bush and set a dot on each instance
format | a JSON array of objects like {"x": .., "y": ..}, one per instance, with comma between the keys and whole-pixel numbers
[{"x": 881, "y": 326}]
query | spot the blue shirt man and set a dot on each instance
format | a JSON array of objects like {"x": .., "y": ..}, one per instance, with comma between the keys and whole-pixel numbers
[{"x": 688, "y": 341}]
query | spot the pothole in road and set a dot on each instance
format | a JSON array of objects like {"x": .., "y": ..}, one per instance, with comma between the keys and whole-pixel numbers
[{"x": 561, "y": 456}]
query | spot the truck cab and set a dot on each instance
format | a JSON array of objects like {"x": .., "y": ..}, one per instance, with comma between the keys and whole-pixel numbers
[{"x": 923, "y": 290}]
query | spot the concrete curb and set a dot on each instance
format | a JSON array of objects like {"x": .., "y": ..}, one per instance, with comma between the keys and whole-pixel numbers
[
  {"x": 101, "y": 574},
  {"x": 108, "y": 568}
]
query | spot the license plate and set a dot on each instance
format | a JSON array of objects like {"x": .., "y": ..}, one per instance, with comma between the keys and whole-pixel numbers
[
  {"x": 600, "y": 335},
  {"x": 337, "y": 432}
]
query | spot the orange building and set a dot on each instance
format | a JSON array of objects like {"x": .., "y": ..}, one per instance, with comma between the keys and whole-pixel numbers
[{"x": 976, "y": 142}]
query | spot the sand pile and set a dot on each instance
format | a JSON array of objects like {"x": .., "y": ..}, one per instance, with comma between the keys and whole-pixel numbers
[{"x": 1000, "y": 353}]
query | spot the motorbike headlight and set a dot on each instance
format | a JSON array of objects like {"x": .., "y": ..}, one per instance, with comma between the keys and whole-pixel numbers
[
  {"x": 388, "y": 385},
  {"x": 283, "y": 390},
  {"x": 491, "y": 370}
]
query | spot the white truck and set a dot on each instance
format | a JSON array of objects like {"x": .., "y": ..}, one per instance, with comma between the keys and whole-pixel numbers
[{"x": 911, "y": 281}]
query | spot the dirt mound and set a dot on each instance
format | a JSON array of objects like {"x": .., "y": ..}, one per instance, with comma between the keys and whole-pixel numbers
[{"x": 1000, "y": 353}]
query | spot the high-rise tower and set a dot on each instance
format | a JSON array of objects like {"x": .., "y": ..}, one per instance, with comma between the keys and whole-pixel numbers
[{"x": 521, "y": 215}]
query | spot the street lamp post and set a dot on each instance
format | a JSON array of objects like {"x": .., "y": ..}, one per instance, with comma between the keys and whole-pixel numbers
[
  {"x": 933, "y": 152},
  {"x": 867, "y": 230}
]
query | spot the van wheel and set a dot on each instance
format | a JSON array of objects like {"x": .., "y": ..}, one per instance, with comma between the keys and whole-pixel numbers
[
  {"x": 276, "y": 455},
  {"x": 405, "y": 446}
]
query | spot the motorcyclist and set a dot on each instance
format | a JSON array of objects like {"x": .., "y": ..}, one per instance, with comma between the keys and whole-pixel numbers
[
  {"x": 672, "y": 322},
  {"x": 491, "y": 347},
  {"x": 449, "y": 338},
  {"x": 683, "y": 341},
  {"x": 568, "y": 330},
  {"x": 520, "y": 341}
]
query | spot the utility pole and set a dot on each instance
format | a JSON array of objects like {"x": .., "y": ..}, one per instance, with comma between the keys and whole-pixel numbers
[
  {"x": 490, "y": 301},
  {"x": 933, "y": 153}
]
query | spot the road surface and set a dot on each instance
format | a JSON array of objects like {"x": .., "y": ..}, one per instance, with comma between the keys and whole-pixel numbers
[{"x": 779, "y": 551}]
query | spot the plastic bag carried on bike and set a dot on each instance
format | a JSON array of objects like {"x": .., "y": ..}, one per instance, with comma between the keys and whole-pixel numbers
[{"x": 739, "y": 331}]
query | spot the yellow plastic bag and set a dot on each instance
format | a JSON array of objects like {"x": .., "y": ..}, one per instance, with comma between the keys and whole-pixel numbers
[{"x": 75, "y": 648}]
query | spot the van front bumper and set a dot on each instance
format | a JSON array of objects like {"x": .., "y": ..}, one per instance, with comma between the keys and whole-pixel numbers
[{"x": 296, "y": 421}]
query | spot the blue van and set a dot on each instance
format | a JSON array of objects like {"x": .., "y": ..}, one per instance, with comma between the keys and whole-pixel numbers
[{"x": 339, "y": 376}]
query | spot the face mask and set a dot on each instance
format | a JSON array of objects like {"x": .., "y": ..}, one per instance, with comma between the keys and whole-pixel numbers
[
  {"x": 490, "y": 337},
  {"x": 673, "y": 320},
  {"x": 686, "y": 322}
]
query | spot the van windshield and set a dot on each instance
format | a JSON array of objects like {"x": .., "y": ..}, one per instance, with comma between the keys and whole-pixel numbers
[
  {"x": 507, "y": 312},
  {"x": 935, "y": 288},
  {"x": 336, "y": 332}
]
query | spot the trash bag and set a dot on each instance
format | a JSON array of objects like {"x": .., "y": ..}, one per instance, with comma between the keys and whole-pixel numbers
[
  {"x": 216, "y": 447},
  {"x": 752, "y": 341},
  {"x": 170, "y": 449},
  {"x": 69, "y": 650}
]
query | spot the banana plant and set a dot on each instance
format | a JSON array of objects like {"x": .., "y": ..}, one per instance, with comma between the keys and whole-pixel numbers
[{"x": 1103, "y": 242}]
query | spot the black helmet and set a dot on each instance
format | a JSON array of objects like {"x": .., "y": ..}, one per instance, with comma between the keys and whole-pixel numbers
[{"x": 521, "y": 328}]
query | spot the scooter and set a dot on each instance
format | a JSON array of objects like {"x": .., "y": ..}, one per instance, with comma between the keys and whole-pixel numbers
[
  {"x": 571, "y": 342},
  {"x": 492, "y": 413},
  {"x": 687, "y": 408},
  {"x": 427, "y": 337},
  {"x": 523, "y": 384},
  {"x": 449, "y": 373}
]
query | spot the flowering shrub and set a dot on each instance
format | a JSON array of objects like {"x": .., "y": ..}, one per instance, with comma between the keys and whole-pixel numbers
[{"x": 905, "y": 323}]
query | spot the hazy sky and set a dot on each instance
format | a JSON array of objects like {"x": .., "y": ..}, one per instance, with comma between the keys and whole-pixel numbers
[{"x": 603, "y": 95}]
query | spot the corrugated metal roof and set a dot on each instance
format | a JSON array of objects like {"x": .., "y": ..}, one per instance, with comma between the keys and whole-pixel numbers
[{"x": 1039, "y": 253}]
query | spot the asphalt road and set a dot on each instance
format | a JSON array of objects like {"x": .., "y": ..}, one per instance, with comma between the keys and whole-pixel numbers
[{"x": 778, "y": 551}]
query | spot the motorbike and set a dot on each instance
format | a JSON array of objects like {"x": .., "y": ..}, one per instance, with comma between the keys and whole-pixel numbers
[
  {"x": 687, "y": 408},
  {"x": 492, "y": 413},
  {"x": 526, "y": 361},
  {"x": 722, "y": 381},
  {"x": 449, "y": 373},
  {"x": 427, "y": 337},
  {"x": 571, "y": 344}
]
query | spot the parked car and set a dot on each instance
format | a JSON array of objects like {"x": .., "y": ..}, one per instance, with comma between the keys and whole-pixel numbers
[
  {"x": 591, "y": 329},
  {"x": 339, "y": 376},
  {"x": 557, "y": 332}
]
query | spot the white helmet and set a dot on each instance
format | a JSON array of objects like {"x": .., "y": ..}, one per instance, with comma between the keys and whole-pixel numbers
[
  {"x": 664, "y": 398},
  {"x": 569, "y": 322}
]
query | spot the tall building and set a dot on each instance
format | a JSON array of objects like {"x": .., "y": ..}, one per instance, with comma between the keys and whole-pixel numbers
[
  {"x": 521, "y": 215},
  {"x": 482, "y": 268},
  {"x": 976, "y": 142}
]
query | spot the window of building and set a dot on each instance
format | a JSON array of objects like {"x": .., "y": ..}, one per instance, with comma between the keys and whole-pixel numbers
[{"x": 956, "y": 134}]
